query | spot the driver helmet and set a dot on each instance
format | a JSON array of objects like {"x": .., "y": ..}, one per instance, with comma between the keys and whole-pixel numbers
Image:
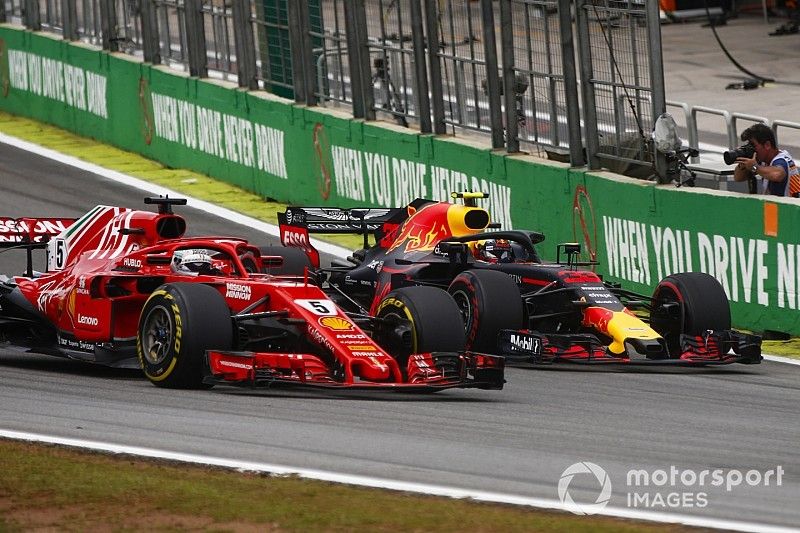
[
  {"x": 191, "y": 262},
  {"x": 494, "y": 251}
]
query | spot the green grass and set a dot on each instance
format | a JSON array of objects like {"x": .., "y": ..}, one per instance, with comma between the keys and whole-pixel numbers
[
  {"x": 789, "y": 348},
  {"x": 50, "y": 488}
]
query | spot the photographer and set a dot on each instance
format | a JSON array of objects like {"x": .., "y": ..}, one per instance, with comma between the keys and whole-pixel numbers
[{"x": 759, "y": 157}]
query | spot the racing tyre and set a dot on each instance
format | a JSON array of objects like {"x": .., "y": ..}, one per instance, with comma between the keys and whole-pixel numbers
[
  {"x": 295, "y": 260},
  {"x": 435, "y": 323},
  {"x": 179, "y": 322},
  {"x": 489, "y": 300},
  {"x": 701, "y": 305}
]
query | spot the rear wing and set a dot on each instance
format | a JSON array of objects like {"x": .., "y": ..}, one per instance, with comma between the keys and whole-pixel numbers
[
  {"x": 355, "y": 220},
  {"x": 296, "y": 223},
  {"x": 15, "y": 231},
  {"x": 31, "y": 233}
]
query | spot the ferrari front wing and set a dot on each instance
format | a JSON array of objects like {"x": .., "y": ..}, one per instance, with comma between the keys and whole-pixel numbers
[{"x": 424, "y": 372}]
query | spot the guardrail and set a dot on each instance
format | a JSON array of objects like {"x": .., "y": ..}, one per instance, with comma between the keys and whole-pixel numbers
[{"x": 731, "y": 119}]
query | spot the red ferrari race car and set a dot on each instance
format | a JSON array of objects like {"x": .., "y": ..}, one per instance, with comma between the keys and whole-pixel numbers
[
  {"x": 513, "y": 303},
  {"x": 126, "y": 288}
]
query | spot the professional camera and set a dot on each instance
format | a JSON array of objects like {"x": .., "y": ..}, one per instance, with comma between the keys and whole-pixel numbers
[{"x": 746, "y": 150}]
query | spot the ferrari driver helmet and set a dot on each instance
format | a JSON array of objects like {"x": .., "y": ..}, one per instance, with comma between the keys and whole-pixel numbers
[
  {"x": 191, "y": 262},
  {"x": 494, "y": 251}
]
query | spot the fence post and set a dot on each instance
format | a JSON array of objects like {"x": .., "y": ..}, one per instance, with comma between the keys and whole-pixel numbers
[
  {"x": 108, "y": 25},
  {"x": 659, "y": 102},
  {"x": 3, "y": 17},
  {"x": 358, "y": 59},
  {"x": 437, "y": 93},
  {"x": 420, "y": 70},
  {"x": 32, "y": 16},
  {"x": 150, "y": 50},
  {"x": 244, "y": 44},
  {"x": 70, "y": 16},
  {"x": 576, "y": 156},
  {"x": 589, "y": 105},
  {"x": 509, "y": 76},
  {"x": 302, "y": 53},
  {"x": 492, "y": 73},
  {"x": 196, "y": 38}
]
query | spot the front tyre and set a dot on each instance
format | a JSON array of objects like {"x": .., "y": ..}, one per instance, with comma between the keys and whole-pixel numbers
[
  {"x": 433, "y": 319},
  {"x": 489, "y": 301},
  {"x": 690, "y": 303},
  {"x": 178, "y": 323}
]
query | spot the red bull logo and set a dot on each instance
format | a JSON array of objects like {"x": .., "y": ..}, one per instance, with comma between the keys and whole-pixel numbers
[
  {"x": 597, "y": 318},
  {"x": 417, "y": 239}
]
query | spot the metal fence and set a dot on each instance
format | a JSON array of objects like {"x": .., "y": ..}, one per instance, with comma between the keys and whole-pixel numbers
[{"x": 509, "y": 69}]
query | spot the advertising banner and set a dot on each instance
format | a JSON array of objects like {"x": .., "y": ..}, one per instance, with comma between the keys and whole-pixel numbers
[{"x": 636, "y": 231}]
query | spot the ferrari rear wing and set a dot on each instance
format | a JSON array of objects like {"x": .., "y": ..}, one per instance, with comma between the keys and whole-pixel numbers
[
  {"x": 15, "y": 231},
  {"x": 31, "y": 233}
]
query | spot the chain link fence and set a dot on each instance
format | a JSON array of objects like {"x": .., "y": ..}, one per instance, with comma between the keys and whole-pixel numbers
[{"x": 577, "y": 80}]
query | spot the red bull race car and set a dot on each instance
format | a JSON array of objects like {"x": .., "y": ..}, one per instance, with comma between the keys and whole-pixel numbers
[
  {"x": 512, "y": 303},
  {"x": 125, "y": 288}
]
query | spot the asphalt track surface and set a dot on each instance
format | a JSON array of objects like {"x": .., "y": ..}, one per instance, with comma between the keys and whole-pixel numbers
[{"x": 515, "y": 441}]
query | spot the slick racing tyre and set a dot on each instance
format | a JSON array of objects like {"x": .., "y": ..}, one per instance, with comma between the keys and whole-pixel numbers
[
  {"x": 433, "y": 319},
  {"x": 179, "y": 322},
  {"x": 690, "y": 303},
  {"x": 489, "y": 300},
  {"x": 295, "y": 260}
]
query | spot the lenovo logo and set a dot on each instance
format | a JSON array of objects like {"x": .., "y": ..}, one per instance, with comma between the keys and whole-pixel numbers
[{"x": 87, "y": 320}]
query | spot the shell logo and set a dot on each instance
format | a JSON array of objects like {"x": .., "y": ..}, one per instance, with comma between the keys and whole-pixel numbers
[{"x": 335, "y": 323}]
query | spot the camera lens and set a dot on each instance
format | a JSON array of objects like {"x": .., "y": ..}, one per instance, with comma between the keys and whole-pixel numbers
[{"x": 730, "y": 156}]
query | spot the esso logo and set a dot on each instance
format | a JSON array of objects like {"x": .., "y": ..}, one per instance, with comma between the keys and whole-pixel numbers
[{"x": 294, "y": 238}]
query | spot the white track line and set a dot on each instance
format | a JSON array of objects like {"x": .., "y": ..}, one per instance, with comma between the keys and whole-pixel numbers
[
  {"x": 374, "y": 482},
  {"x": 153, "y": 188},
  {"x": 779, "y": 359}
]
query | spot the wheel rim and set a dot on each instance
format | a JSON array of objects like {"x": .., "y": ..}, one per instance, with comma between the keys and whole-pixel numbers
[
  {"x": 157, "y": 335},
  {"x": 670, "y": 326},
  {"x": 403, "y": 318},
  {"x": 462, "y": 301}
]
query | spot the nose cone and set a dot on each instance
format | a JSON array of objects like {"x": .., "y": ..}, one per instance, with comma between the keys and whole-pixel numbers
[
  {"x": 371, "y": 369},
  {"x": 619, "y": 325}
]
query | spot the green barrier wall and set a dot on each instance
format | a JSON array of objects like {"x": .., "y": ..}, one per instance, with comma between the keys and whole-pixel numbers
[{"x": 637, "y": 231}]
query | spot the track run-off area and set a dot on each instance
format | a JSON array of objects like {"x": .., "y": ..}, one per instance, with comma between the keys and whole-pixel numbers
[{"x": 736, "y": 424}]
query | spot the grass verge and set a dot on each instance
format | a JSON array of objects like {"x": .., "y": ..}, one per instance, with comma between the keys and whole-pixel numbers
[{"x": 49, "y": 488}]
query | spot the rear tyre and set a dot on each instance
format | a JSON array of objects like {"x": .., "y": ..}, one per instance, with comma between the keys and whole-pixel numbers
[
  {"x": 690, "y": 303},
  {"x": 295, "y": 260},
  {"x": 435, "y": 323},
  {"x": 179, "y": 322},
  {"x": 489, "y": 300}
]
